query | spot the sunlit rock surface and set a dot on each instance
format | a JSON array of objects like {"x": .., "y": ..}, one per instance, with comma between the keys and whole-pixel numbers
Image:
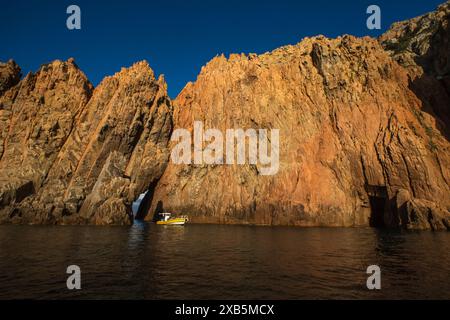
[{"x": 364, "y": 136}]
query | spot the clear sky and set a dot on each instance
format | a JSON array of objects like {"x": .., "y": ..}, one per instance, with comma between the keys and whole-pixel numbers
[{"x": 177, "y": 37}]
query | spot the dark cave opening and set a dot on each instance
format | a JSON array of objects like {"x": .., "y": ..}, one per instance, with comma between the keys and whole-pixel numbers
[
  {"x": 377, "y": 200},
  {"x": 377, "y": 205}
]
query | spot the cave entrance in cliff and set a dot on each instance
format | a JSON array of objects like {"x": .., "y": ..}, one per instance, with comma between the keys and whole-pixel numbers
[
  {"x": 137, "y": 203},
  {"x": 141, "y": 206},
  {"x": 377, "y": 201}
]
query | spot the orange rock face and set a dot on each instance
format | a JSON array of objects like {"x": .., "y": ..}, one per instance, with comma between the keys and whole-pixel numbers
[
  {"x": 114, "y": 145},
  {"x": 363, "y": 137},
  {"x": 352, "y": 135},
  {"x": 36, "y": 117}
]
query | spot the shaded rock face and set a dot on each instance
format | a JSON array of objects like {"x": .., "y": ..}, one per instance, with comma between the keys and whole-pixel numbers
[
  {"x": 419, "y": 214},
  {"x": 9, "y": 75},
  {"x": 352, "y": 134},
  {"x": 114, "y": 145},
  {"x": 422, "y": 46}
]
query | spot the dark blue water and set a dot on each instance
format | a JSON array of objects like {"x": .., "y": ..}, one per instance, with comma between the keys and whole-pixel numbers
[{"x": 147, "y": 261}]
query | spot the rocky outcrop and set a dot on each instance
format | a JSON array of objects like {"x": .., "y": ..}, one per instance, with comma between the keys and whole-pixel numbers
[
  {"x": 422, "y": 46},
  {"x": 9, "y": 75},
  {"x": 36, "y": 118},
  {"x": 114, "y": 145},
  {"x": 363, "y": 137},
  {"x": 352, "y": 134},
  {"x": 419, "y": 214}
]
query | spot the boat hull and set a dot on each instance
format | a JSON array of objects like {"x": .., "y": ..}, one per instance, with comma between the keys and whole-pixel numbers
[{"x": 175, "y": 222}]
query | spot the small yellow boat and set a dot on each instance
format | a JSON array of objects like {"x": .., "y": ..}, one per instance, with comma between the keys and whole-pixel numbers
[{"x": 167, "y": 220}]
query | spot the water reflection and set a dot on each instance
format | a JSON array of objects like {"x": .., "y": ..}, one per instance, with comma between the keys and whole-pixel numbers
[
  {"x": 137, "y": 235},
  {"x": 147, "y": 261}
]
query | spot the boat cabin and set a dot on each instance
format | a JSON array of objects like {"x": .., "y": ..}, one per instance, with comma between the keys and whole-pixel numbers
[{"x": 165, "y": 216}]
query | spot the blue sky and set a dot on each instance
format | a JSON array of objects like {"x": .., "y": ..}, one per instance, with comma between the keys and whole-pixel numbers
[{"x": 177, "y": 37}]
